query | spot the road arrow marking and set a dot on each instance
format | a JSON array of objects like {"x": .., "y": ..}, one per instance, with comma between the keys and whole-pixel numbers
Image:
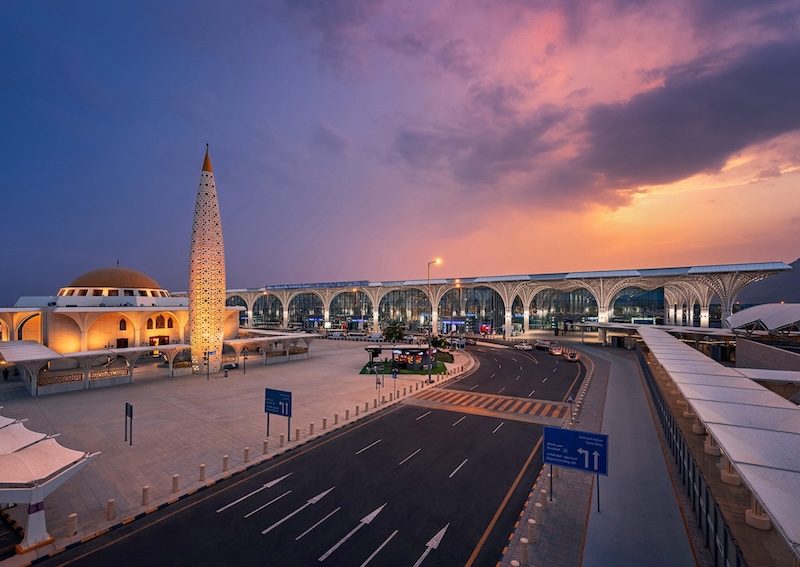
[
  {"x": 270, "y": 484},
  {"x": 498, "y": 427},
  {"x": 431, "y": 545},
  {"x": 452, "y": 474},
  {"x": 411, "y": 455},
  {"x": 363, "y": 522},
  {"x": 368, "y": 446},
  {"x": 267, "y": 504},
  {"x": 308, "y": 503},
  {"x": 318, "y": 523},
  {"x": 381, "y": 546}
]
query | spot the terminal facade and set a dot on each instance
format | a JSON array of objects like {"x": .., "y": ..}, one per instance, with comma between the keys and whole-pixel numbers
[{"x": 507, "y": 304}]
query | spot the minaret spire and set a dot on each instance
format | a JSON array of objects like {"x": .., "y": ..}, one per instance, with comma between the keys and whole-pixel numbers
[{"x": 206, "y": 275}]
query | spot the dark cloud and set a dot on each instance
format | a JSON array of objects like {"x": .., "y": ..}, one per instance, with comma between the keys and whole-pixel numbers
[
  {"x": 500, "y": 99},
  {"x": 696, "y": 120},
  {"x": 409, "y": 44},
  {"x": 455, "y": 56},
  {"x": 330, "y": 139}
]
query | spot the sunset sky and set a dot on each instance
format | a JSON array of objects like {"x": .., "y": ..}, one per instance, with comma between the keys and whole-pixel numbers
[{"x": 354, "y": 140}]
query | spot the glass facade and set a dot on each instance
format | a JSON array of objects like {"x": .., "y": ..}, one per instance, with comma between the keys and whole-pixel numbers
[
  {"x": 268, "y": 311},
  {"x": 467, "y": 310},
  {"x": 237, "y": 301},
  {"x": 553, "y": 308},
  {"x": 634, "y": 303},
  {"x": 351, "y": 310},
  {"x": 407, "y": 307},
  {"x": 306, "y": 311}
]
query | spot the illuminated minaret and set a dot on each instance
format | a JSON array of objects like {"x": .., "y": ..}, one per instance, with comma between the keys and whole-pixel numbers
[{"x": 206, "y": 275}]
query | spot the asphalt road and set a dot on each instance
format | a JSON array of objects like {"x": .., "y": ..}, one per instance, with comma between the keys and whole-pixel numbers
[
  {"x": 524, "y": 374},
  {"x": 379, "y": 492}
]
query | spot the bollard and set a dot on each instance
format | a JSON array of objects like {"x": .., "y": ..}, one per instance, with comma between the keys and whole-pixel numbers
[
  {"x": 531, "y": 529},
  {"x": 175, "y": 480},
  {"x": 346, "y": 414},
  {"x": 145, "y": 495},
  {"x": 265, "y": 448},
  {"x": 336, "y": 419},
  {"x": 324, "y": 423},
  {"x": 374, "y": 403},
  {"x": 524, "y": 543},
  {"x": 514, "y": 563},
  {"x": 390, "y": 396},
  {"x": 543, "y": 493},
  {"x": 111, "y": 509},
  {"x": 202, "y": 475},
  {"x": 281, "y": 440},
  {"x": 247, "y": 454},
  {"x": 297, "y": 434},
  {"x": 310, "y": 429},
  {"x": 383, "y": 400},
  {"x": 417, "y": 386},
  {"x": 356, "y": 410},
  {"x": 538, "y": 511},
  {"x": 225, "y": 461},
  {"x": 72, "y": 524}
]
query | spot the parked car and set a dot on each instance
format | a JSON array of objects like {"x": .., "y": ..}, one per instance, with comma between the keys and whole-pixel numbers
[
  {"x": 471, "y": 341},
  {"x": 523, "y": 346},
  {"x": 556, "y": 350},
  {"x": 571, "y": 356}
]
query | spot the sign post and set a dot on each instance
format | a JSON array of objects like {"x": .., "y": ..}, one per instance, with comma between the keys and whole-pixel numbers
[
  {"x": 279, "y": 402},
  {"x": 394, "y": 381},
  {"x": 129, "y": 423},
  {"x": 581, "y": 450}
]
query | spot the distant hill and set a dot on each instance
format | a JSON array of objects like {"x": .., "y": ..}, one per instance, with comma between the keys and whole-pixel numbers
[{"x": 783, "y": 287}]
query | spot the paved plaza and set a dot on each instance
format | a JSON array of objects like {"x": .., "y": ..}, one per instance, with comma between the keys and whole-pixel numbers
[{"x": 182, "y": 422}]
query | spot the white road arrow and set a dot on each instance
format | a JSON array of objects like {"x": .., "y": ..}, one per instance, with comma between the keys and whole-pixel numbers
[
  {"x": 585, "y": 454},
  {"x": 363, "y": 522},
  {"x": 432, "y": 544},
  {"x": 270, "y": 484},
  {"x": 308, "y": 503},
  {"x": 596, "y": 457}
]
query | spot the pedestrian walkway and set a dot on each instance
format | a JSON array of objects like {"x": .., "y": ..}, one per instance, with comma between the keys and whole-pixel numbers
[{"x": 522, "y": 409}]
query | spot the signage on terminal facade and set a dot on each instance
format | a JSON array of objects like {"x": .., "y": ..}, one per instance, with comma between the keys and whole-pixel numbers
[{"x": 360, "y": 283}]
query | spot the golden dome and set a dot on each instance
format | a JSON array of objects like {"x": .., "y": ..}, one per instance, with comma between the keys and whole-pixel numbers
[{"x": 115, "y": 278}]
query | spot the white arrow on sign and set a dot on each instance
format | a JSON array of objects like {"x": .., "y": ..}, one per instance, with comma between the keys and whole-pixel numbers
[
  {"x": 596, "y": 457},
  {"x": 432, "y": 544},
  {"x": 585, "y": 454},
  {"x": 308, "y": 503},
  {"x": 363, "y": 522},
  {"x": 270, "y": 484}
]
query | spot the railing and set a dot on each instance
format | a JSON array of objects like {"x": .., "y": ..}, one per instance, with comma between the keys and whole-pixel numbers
[
  {"x": 49, "y": 380},
  {"x": 716, "y": 532},
  {"x": 108, "y": 373}
]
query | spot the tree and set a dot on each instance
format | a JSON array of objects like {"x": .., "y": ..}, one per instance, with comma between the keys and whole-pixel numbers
[{"x": 393, "y": 334}]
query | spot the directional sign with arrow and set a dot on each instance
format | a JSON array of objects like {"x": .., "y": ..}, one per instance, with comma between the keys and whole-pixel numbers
[
  {"x": 363, "y": 522},
  {"x": 580, "y": 450},
  {"x": 431, "y": 545},
  {"x": 308, "y": 503},
  {"x": 270, "y": 484}
]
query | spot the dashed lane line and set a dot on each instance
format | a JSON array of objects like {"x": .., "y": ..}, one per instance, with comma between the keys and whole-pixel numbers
[
  {"x": 459, "y": 421},
  {"x": 368, "y": 446},
  {"x": 452, "y": 474},
  {"x": 423, "y": 415},
  {"x": 381, "y": 546},
  {"x": 409, "y": 457},
  {"x": 315, "y": 525},
  {"x": 496, "y": 429}
]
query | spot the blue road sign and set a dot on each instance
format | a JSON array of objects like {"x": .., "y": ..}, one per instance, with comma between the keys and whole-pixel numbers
[
  {"x": 394, "y": 373},
  {"x": 278, "y": 402},
  {"x": 580, "y": 450}
]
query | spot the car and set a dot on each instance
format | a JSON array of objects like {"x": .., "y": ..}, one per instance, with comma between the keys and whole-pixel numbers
[
  {"x": 571, "y": 356},
  {"x": 523, "y": 346},
  {"x": 556, "y": 350},
  {"x": 543, "y": 345}
]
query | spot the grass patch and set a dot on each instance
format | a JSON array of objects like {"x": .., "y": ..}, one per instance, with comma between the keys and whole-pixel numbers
[{"x": 438, "y": 368}]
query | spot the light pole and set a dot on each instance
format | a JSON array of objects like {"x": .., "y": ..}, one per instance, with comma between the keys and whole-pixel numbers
[
  {"x": 430, "y": 350},
  {"x": 244, "y": 366}
]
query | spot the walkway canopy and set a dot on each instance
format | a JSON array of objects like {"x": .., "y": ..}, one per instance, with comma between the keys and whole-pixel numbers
[{"x": 771, "y": 317}]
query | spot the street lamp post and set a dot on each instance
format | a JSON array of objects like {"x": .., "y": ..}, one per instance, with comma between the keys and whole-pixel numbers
[
  {"x": 430, "y": 350},
  {"x": 244, "y": 365}
]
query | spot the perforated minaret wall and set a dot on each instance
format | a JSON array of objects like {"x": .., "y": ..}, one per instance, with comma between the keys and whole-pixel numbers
[{"x": 206, "y": 275}]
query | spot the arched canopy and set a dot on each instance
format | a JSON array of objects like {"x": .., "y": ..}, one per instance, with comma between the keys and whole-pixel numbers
[
  {"x": 352, "y": 309},
  {"x": 267, "y": 309},
  {"x": 306, "y": 310},
  {"x": 409, "y": 307},
  {"x": 633, "y": 302},
  {"x": 467, "y": 309},
  {"x": 550, "y": 306}
]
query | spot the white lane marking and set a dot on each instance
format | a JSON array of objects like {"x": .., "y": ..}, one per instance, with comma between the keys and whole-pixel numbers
[
  {"x": 501, "y": 390},
  {"x": 520, "y": 367},
  {"x": 545, "y": 380},
  {"x": 498, "y": 427},
  {"x": 514, "y": 359},
  {"x": 494, "y": 359},
  {"x": 269, "y": 484},
  {"x": 432, "y": 544},
  {"x": 532, "y": 393},
  {"x": 363, "y": 522},
  {"x": 516, "y": 379},
  {"x": 318, "y": 523},
  {"x": 492, "y": 376},
  {"x": 499, "y": 366},
  {"x": 381, "y": 546},
  {"x": 534, "y": 359},
  {"x": 459, "y": 421},
  {"x": 423, "y": 415},
  {"x": 268, "y": 503},
  {"x": 411, "y": 455},
  {"x": 452, "y": 474},
  {"x": 554, "y": 369},
  {"x": 308, "y": 503},
  {"x": 368, "y": 446},
  {"x": 475, "y": 386}
]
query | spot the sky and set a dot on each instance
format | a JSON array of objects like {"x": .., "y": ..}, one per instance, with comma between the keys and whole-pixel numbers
[{"x": 357, "y": 139}]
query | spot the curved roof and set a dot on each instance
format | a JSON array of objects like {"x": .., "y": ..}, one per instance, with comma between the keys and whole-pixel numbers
[
  {"x": 115, "y": 277},
  {"x": 768, "y": 317}
]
